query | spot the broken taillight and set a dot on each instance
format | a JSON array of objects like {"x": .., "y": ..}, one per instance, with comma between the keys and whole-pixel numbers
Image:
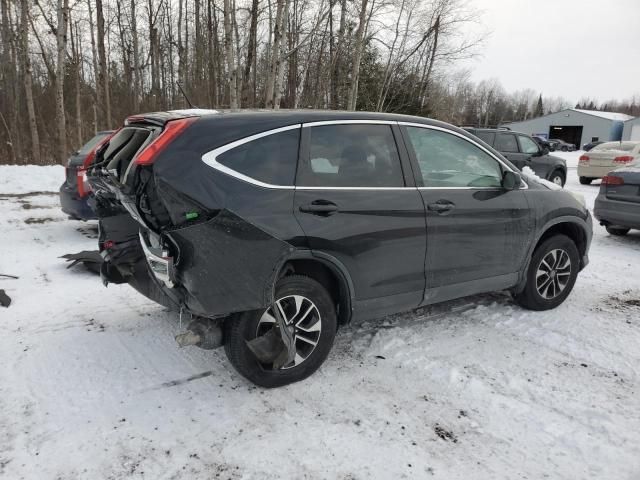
[
  {"x": 171, "y": 130},
  {"x": 81, "y": 173}
]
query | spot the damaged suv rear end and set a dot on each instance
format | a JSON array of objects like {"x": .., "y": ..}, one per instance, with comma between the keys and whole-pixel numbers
[{"x": 167, "y": 230}]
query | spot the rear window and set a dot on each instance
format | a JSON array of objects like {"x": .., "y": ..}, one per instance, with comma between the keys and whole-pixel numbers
[
  {"x": 87, "y": 147},
  {"x": 271, "y": 159}
]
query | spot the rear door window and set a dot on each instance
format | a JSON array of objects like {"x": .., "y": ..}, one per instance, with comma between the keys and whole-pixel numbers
[
  {"x": 271, "y": 159},
  {"x": 351, "y": 155},
  {"x": 506, "y": 142}
]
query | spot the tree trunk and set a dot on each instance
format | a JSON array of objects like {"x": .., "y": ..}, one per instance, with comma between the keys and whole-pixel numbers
[
  {"x": 28, "y": 83},
  {"x": 136, "y": 61},
  {"x": 61, "y": 46},
  {"x": 103, "y": 76},
  {"x": 276, "y": 57},
  {"x": 229, "y": 53},
  {"x": 247, "y": 101},
  {"x": 357, "y": 55}
]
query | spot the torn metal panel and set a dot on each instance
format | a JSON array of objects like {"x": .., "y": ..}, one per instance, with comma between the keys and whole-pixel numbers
[{"x": 227, "y": 264}]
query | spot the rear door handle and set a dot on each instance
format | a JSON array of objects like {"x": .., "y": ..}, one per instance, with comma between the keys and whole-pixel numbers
[
  {"x": 320, "y": 207},
  {"x": 441, "y": 206}
]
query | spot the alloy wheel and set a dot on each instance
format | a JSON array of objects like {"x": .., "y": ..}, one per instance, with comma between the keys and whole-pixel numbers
[
  {"x": 300, "y": 315},
  {"x": 553, "y": 273}
]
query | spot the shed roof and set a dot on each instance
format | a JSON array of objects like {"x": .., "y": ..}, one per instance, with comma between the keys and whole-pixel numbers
[{"x": 621, "y": 117}]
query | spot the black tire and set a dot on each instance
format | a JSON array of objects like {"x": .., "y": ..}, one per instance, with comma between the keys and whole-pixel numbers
[
  {"x": 617, "y": 231},
  {"x": 586, "y": 180},
  {"x": 564, "y": 149},
  {"x": 530, "y": 297},
  {"x": 559, "y": 175},
  {"x": 244, "y": 326}
]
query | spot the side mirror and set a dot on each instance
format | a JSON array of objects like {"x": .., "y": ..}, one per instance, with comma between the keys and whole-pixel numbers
[
  {"x": 544, "y": 151},
  {"x": 511, "y": 180}
]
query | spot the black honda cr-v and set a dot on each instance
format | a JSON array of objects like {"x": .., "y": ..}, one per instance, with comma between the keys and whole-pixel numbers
[{"x": 272, "y": 228}]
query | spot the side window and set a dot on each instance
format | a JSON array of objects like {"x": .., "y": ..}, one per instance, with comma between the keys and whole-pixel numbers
[
  {"x": 486, "y": 136},
  {"x": 527, "y": 145},
  {"x": 447, "y": 160},
  {"x": 506, "y": 142},
  {"x": 351, "y": 155},
  {"x": 271, "y": 159}
]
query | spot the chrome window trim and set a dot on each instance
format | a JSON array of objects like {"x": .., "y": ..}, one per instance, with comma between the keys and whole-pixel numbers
[
  {"x": 471, "y": 141},
  {"x": 348, "y": 122},
  {"x": 210, "y": 158}
]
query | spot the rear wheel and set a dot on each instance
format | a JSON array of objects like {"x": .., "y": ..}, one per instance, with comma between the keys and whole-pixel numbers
[
  {"x": 617, "y": 231},
  {"x": 309, "y": 313},
  {"x": 564, "y": 149},
  {"x": 551, "y": 274},
  {"x": 586, "y": 180},
  {"x": 557, "y": 177}
]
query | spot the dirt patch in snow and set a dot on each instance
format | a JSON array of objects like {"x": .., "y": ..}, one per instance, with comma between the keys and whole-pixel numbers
[
  {"x": 32, "y": 220},
  {"x": 445, "y": 434}
]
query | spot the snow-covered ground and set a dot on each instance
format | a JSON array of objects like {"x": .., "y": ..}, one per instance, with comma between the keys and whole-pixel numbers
[{"x": 92, "y": 384}]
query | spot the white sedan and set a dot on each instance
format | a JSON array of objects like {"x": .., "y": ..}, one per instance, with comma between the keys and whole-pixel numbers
[{"x": 603, "y": 158}]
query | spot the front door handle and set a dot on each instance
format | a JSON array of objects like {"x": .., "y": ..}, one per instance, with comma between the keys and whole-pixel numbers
[
  {"x": 441, "y": 206},
  {"x": 320, "y": 207}
]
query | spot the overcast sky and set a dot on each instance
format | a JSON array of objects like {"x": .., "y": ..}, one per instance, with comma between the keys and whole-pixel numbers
[{"x": 569, "y": 48}]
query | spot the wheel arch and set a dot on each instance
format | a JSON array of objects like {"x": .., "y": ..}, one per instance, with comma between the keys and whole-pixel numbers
[
  {"x": 573, "y": 227},
  {"x": 326, "y": 270}
]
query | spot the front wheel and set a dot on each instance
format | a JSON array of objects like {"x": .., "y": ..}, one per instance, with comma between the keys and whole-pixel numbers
[
  {"x": 617, "y": 231},
  {"x": 308, "y": 311},
  {"x": 557, "y": 177},
  {"x": 551, "y": 274}
]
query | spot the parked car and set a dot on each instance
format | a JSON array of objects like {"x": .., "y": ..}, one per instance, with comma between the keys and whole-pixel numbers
[
  {"x": 606, "y": 157},
  {"x": 523, "y": 151},
  {"x": 75, "y": 190},
  {"x": 562, "y": 145},
  {"x": 542, "y": 142},
  {"x": 617, "y": 205},
  {"x": 588, "y": 146},
  {"x": 273, "y": 228}
]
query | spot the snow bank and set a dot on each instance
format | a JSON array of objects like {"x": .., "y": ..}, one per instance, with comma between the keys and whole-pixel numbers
[{"x": 26, "y": 178}]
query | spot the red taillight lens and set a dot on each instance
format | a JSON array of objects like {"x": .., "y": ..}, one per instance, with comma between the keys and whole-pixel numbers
[
  {"x": 623, "y": 159},
  {"x": 612, "y": 180},
  {"x": 171, "y": 130},
  {"x": 584, "y": 158}
]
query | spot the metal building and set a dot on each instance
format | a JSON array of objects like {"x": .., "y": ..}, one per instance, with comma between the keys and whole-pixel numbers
[
  {"x": 631, "y": 129},
  {"x": 575, "y": 126}
]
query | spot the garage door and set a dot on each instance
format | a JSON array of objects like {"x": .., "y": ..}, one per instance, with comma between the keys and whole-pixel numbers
[{"x": 635, "y": 132}]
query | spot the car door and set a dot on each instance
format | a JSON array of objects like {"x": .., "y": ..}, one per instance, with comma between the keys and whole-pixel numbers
[
  {"x": 355, "y": 206},
  {"x": 533, "y": 158},
  {"x": 507, "y": 145},
  {"x": 477, "y": 231}
]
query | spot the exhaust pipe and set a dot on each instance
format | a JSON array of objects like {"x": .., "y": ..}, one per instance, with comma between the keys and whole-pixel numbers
[{"x": 202, "y": 332}]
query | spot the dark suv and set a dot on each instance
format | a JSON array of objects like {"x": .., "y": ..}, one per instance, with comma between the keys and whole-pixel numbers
[
  {"x": 523, "y": 151},
  {"x": 272, "y": 228}
]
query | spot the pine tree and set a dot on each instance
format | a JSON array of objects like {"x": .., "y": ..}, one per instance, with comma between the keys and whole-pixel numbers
[{"x": 539, "y": 111}]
